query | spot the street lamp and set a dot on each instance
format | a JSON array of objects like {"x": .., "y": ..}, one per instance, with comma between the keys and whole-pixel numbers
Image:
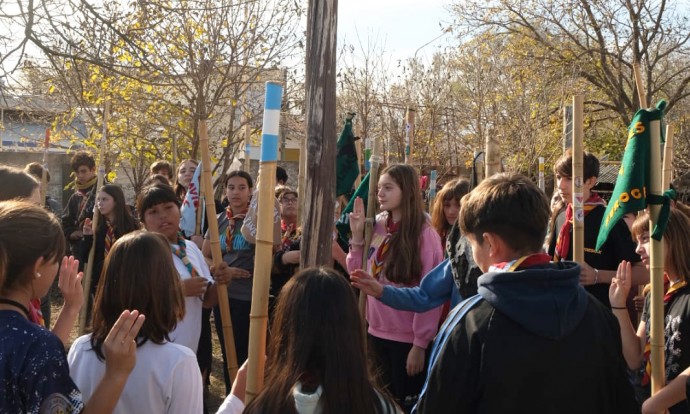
[{"x": 445, "y": 32}]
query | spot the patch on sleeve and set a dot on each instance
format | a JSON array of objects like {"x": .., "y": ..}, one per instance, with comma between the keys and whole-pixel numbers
[{"x": 58, "y": 404}]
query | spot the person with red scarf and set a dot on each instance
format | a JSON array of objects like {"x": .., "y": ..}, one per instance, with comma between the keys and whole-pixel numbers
[{"x": 600, "y": 265}]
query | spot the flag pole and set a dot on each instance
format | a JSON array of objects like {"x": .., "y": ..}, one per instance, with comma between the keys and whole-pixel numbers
[
  {"x": 639, "y": 84},
  {"x": 375, "y": 162},
  {"x": 217, "y": 256},
  {"x": 199, "y": 210},
  {"x": 301, "y": 178},
  {"x": 578, "y": 182},
  {"x": 668, "y": 159},
  {"x": 264, "y": 240},
  {"x": 409, "y": 134},
  {"x": 88, "y": 275},
  {"x": 44, "y": 175},
  {"x": 656, "y": 266},
  {"x": 542, "y": 184}
]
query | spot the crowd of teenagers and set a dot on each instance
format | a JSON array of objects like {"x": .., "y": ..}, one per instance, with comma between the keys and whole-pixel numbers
[{"x": 474, "y": 307}]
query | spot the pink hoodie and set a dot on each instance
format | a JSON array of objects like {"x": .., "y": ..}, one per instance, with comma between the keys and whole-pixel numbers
[{"x": 388, "y": 323}]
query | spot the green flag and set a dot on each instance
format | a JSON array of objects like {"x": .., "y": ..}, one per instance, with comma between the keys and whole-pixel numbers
[
  {"x": 632, "y": 184},
  {"x": 346, "y": 165},
  {"x": 343, "y": 223}
]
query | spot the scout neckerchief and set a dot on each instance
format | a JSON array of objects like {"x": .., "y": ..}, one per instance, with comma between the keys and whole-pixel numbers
[
  {"x": 84, "y": 187},
  {"x": 381, "y": 253},
  {"x": 35, "y": 314},
  {"x": 289, "y": 234},
  {"x": 109, "y": 237},
  {"x": 521, "y": 263},
  {"x": 230, "y": 230},
  {"x": 668, "y": 297},
  {"x": 563, "y": 240},
  {"x": 180, "y": 250}
]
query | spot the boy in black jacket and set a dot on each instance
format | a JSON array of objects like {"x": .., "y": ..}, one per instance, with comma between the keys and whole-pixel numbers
[{"x": 533, "y": 340}]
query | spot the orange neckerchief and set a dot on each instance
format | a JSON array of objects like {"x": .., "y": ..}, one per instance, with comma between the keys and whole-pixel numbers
[{"x": 380, "y": 256}]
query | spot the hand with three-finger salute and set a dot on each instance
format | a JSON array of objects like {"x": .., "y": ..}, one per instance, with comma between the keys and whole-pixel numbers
[
  {"x": 620, "y": 286},
  {"x": 357, "y": 220},
  {"x": 120, "y": 347}
]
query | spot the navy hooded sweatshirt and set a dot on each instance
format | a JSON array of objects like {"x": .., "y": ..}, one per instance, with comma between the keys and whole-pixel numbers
[{"x": 535, "y": 342}]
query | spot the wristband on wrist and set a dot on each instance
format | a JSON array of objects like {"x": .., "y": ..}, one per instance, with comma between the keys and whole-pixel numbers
[
  {"x": 619, "y": 307},
  {"x": 352, "y": 243}
]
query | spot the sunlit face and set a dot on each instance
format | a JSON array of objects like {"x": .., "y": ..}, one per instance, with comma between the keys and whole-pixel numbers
[
  {"x": 389, "y": 193},
  {"x": 185, "y": 173},
  {"x": 643, "y": 248},
  {"x": 163, "y": 218},
  {"x": 451, "y": 208},
  {"x": 565, "y": 188},
  {"x": 237, "y": 191},
  {"x": 105, "y": 203},
  {"x": 288, "y": 205},
  {"x": 85, "y": 174}
]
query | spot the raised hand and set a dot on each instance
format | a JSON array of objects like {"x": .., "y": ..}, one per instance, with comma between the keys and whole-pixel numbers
[
  {"x": 69, "y": 282},
  {"x": 620, "y": 285},
  {"x": 120, "y": 346},
  {"x": 357, "y": 219},
  {"x": 87, "y": 229}
]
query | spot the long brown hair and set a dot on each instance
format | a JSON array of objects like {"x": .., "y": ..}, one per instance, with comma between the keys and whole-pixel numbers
[
  {"x": 124, "y": 221},
  {"x": 404, "y": 265},
  {"x": 180, "y": 191},
  {"x": 677, "y": 237},
  {"x": 27, "y": 233},
  {"x": 317, "y": 340},
  {"x": 138, "y": 274},
  {"x": 452, "y": 190}
]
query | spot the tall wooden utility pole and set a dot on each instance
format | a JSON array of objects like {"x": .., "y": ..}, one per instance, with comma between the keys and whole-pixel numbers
[{"x": 319, "y": 192}]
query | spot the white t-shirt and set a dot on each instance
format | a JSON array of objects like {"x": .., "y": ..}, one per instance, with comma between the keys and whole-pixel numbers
[
  {"x": 188, "y": 329},
  {"x": 166, "y": 378}
]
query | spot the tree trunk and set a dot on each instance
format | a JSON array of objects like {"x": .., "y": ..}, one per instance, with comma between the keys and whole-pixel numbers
[{"x": 319, "y": 194}]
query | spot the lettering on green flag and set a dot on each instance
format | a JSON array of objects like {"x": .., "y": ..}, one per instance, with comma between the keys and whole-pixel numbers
[{"x": 630, "y": 191}]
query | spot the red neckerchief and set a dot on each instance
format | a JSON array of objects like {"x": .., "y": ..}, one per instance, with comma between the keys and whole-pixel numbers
[
  {"x": 670, "y": 293},
  {"x": 563, "y": 240},
  {"x": 230, "y": 230},
  {"x": 289, "y": 234},
  {"x": 523, "y": 262},
  {"x": 35, "y": 314},
  {"x": 382, "y": 252},
  {"x": 109, "y": 237}
]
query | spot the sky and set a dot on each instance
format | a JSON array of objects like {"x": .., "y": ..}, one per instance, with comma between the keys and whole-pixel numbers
[{"x": 404, "y": 25}]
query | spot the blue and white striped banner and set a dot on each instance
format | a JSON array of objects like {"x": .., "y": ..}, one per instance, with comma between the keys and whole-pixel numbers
[{"x": 271, "y": 126}]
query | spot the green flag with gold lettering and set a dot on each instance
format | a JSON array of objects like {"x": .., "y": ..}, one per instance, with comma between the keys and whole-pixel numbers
[{"x": 630, "y": 191}]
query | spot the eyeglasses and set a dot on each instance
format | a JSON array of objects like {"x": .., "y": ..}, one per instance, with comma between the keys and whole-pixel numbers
[{"x": 288, "y": 201}]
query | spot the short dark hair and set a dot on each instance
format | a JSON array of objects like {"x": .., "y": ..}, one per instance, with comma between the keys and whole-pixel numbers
[
  {"x": 82, "y": 158},
  {"x": 36, "y": 170},
  {"x": 16, "y": 183},
  {"x": 281, "y": 175},
  {"x": 153, "y": 195},
  {"x": 509, "y": 205},
  {"x": 564, "y": 165},
  {"x": 239, "y": 173},
  {"x": 159, "y": 165}
]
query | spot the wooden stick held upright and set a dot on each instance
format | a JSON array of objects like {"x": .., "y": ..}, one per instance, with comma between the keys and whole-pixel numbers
[
  {"x": 263, "y": 259},
  {"x": 217, "y": 256},
  {"x": 656, "y": 267},
  {"x": 668, "y": 159},
  {"x": 44, "y": 176},
  {"x": 578, "y": 182},
  {"x": 639, "y": 84},
  {"x": 375, "y": 162},
  {"x": 88, "y": 275}
]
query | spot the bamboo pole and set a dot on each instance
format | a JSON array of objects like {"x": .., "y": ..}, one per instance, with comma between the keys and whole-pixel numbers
[
  {"x": 375, "y": 163},
  {"x": 258, "y": 318},
  {"x": 198, "y": 229},
  {"x": 217, "y": 256},
  {"x": 577, "y": 182},
  {"x": 668, "y": 159},
  {"x": 656, "y": 266},
  {"x": 88, "y": 275},
  {"x": 432, "y": 189},
  {"x": 639, "y": 84},
  {"x": 44, "y": 175}
]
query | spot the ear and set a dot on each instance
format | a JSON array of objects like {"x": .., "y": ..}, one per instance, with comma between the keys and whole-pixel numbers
[
  {"x": 494, "y": 243},
  {"x": 37, "y": 265},
  {"x": 590, "y": 183}
]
